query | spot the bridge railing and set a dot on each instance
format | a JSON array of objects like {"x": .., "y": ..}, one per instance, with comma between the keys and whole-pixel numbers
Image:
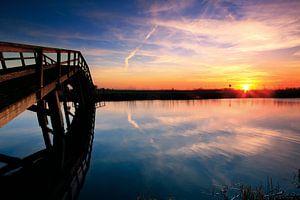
[
  {"x": 29, "y": 73},
  {"x": 17, "y": 60}
]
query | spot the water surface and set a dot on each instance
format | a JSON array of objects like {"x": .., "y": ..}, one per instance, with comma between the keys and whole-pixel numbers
[
  {"x": 180, "y": 149},
  {"x": 185, "y": 149}
]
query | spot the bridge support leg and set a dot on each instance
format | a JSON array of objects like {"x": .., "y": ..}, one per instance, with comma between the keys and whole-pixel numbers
[
  {"x": 66, "y": 111},
  {"x": 80, "y": 95},
  {"x": 43, "y": 122},
  {"x": 58, "y": 127}
]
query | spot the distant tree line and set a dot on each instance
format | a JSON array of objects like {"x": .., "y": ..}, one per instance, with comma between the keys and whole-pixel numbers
[{"x": 129, "y": 95}]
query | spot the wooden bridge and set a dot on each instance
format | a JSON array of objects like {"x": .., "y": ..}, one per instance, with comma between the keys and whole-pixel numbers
[
  {"x": 57, "y": 85},
  {"x": 29, "y": 73}
]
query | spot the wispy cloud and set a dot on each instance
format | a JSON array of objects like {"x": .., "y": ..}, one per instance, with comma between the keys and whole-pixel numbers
[
  {"x": 132, "y": 53},
  {"x": 186, "y": 44},
  {"x": 159, "y": 7},
  {"x": 297, "y": 53}
]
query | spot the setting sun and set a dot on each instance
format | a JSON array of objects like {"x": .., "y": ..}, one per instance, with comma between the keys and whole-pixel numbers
[{"x": 246, "y": 87}]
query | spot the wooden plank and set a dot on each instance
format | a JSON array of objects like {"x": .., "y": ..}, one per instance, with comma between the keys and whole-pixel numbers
[
  {"x": 14, "y": 47},
  {"x": 13, "y": 75},
  {"x": 13, "y": 110},
  {"x": 17, "y": 58},
  {"x": 10, "y": 112}
]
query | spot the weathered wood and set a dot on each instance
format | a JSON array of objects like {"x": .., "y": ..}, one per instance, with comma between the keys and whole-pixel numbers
[
  {"x": 44, "y": 82},
  {"x": 2, "y": 61},
  {"x": 39, "y": 68},
  {"x": 14, "y": 47},
  {"x": 75, "y": 58},
  {"x": 22, "y": 59},
  {"x": 17, "y": 58},
  {"x": 17, "y": 74},
  {"x": 67, "y": 117},
  {"x": 58, "y": 65},
  {"x": 56, "y": 116},
  {"x": 69, "y": 62},
  {"x": 58, "y": 127},
  {"x": 13, "y": 110},
  {"x": 43, "y": 122},
  {"x": 16, "y": 108}
]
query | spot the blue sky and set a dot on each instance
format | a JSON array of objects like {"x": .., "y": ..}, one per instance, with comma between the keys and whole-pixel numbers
[{"x": 168, "y": 44}]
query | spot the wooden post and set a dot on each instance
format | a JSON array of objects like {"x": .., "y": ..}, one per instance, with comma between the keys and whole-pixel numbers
[
  {"x": 39, "y": 72},
  {"x": 58, "y": 127},
  {"x": 2, "y": 61},
  {"x": 43, "y": 122},
  {"x": 66, "y": 107},
  {"x": 69, "y": 62},
  {"x": 81, "y": 96},
  {"x": 39, "y": 67},
  {"x": 75, "y": 58},
  {"x": 56, "y": 117},
  {"x": 58, "y": 65},
  {"x": 22, "y": 59},
  {"x": 66, "y": 113}
]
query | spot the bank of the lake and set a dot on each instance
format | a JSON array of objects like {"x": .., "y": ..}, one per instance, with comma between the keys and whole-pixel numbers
[{"x": 127, "y": 95}]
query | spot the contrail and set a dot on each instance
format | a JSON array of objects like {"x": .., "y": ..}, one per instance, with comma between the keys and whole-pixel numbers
[
  {"x": 132, "y": 53},
  {"x": 150, "y": 33}
]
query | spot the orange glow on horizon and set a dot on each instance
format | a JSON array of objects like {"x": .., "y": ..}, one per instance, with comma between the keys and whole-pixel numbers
[
  {"x": 160, "y": 78},
  {"x": 246, "y": 87}
]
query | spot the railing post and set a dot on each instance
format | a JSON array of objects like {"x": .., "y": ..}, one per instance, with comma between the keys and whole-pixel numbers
[
  {"x": 69, "y": 62},
  {"x": 22, "y": 59},
  {"x": 75, "y": 58},
  {"x": 58, "y": 65},
  {"x": 2, "y": 61},
  {"x": 39, "y": 70}
]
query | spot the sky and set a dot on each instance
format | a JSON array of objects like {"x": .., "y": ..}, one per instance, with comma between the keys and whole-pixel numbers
[{"x": 180, "y": 44}]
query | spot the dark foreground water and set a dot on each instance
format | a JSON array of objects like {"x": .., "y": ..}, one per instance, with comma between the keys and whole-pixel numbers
[{"x": 181, "y": 149}]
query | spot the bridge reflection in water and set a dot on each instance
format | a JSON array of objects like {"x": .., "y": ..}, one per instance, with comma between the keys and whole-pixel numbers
[
  {"x": 44, "y": 174},
  {"x": 57, "y": 85}
]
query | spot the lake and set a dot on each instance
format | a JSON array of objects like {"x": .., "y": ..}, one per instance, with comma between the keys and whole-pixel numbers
[{"x": 181, "y": 149}]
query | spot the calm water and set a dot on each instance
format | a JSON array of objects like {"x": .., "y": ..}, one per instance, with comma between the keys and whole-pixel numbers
[{"x": 181, "y": 149}]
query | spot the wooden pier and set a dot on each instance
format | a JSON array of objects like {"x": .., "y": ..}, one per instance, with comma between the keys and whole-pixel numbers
[{"x": 57, "y": 85}]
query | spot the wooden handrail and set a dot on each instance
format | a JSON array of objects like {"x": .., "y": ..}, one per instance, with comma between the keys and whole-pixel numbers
[
  {"x": 14, "y": 47},
  {"x": 44, "y": 61}
]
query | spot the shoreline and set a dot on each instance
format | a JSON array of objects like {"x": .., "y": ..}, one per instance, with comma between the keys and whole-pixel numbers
[{"x": 135, "y": 95}]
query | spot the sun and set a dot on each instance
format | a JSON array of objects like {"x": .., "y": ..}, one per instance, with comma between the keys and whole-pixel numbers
[{"x": 246, "y": 87}]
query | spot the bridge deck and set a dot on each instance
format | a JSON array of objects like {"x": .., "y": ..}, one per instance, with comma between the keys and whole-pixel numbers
[
  {"x": 18, "y": 94},
  {"x": 22, "y": 86}
]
